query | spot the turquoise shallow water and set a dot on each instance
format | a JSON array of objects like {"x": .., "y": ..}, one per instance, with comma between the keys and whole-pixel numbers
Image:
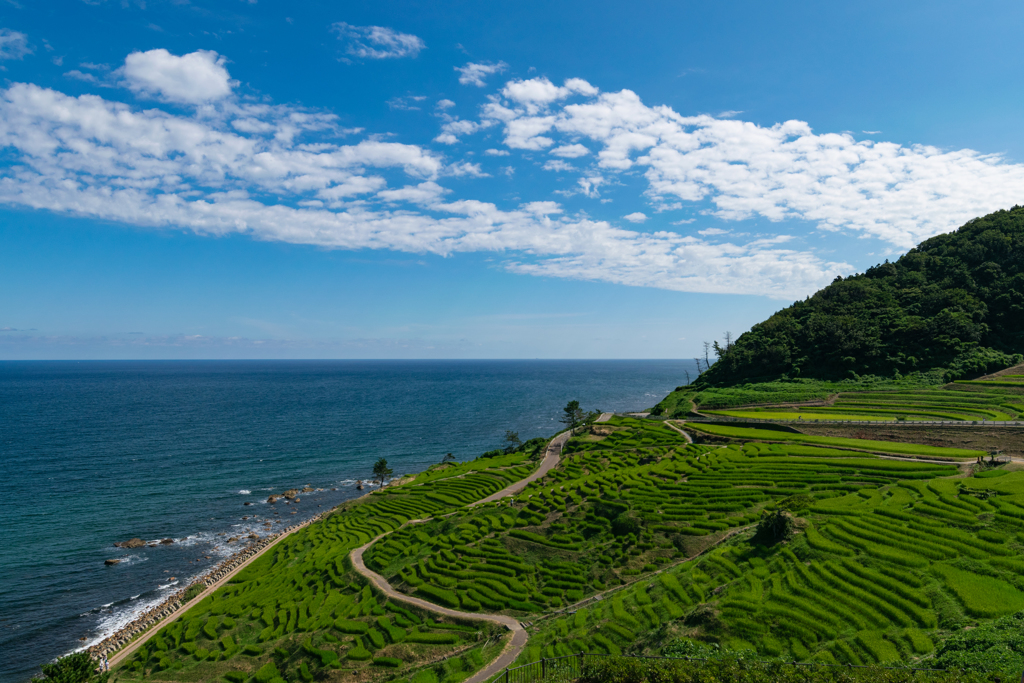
[{"x": 97, "y": 452}]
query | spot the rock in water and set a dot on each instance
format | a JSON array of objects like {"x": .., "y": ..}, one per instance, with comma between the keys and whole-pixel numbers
[
  {"x": 110, "y": 563},
  {"x": 167, "y": 541},
  {"x": 131, "y": 543}
]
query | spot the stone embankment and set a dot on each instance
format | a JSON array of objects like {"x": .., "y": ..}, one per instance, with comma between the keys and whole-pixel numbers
[{"x": 174, "y": 605}]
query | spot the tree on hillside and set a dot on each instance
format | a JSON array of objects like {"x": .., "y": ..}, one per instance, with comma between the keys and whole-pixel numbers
[
  {"x": 381, "y": 472},
  {"x": 448, "y": 457},
  {"x": 955, "y": 302},
  {"x": 512, "y": 441},
  {"x": 572, "y": 415}
]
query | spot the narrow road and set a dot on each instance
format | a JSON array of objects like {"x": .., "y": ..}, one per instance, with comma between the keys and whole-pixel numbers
[{"x": 517, "y": 642}]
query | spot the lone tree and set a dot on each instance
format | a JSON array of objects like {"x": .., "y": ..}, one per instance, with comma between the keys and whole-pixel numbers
[
  {"x": 448, "y": 457},
  {"x": 512, "y": 440},
  {"x": 774, "y": 526},
  {"x": 573, "y": 416},
  {"x": 381, "y": 472}
]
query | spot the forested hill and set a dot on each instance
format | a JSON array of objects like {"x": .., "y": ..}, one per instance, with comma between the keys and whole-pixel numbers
[{"x": 956, "y": 301}]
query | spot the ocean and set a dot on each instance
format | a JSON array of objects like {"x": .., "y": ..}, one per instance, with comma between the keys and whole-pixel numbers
[{"x": 92, "y": 453}]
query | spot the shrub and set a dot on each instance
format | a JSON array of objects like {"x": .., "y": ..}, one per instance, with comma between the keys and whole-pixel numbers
[
  {"x": 774, "y": 526},
  {"x": 359, "y": 654},
  {"x": 236, "y": 676},
  {"x": 351, "y": 627},
  {"x": 392, "y": 662},
  {"x": 445, "y": 597},
  {"x": 266, "y": 673}
]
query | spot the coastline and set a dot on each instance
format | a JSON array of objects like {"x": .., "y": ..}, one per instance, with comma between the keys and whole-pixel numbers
[{"x": 128, "y": 637}]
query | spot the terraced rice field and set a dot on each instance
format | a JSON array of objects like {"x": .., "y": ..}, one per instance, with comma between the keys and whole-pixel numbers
[
  {"x": 886, "y": 564},
  {"x": 990, "y": 400},
  {"x": 881, "y": 569},
  {"x": 300, "y": 610}
]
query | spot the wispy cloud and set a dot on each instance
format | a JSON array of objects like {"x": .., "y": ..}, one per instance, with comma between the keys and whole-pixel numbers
[
  {"x": 13, "y": 45},
  {"x": 476, "y": 74},
  {"x": 377, "y": 42}
]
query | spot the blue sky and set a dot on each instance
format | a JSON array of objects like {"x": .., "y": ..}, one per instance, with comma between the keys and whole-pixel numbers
[{"x": 198, "y": 179}]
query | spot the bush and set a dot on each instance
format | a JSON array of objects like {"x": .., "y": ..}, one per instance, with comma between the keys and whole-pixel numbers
[
  {"x": 267, "y": 673},
  {"x": 236, "y": 676},
  {"x": 774, "y": 526},
  {"x": 392, "y": 662}
]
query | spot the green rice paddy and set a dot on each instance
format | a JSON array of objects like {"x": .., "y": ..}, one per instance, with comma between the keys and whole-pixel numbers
[
  {"x": 971, "y": 401},
  {"x": 635, "y": 540}
]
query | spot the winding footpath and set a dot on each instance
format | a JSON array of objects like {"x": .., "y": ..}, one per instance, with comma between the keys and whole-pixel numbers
[{"x": 517, "y": 642}]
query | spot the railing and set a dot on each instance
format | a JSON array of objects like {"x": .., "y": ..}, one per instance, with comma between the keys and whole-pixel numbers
[{"x": 571, "y": 667}]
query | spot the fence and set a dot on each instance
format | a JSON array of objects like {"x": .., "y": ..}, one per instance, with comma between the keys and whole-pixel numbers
[{"x": 571, "y": 667}]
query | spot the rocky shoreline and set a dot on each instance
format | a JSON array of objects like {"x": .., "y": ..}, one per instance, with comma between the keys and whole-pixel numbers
[{"x": 174, "y": 603}]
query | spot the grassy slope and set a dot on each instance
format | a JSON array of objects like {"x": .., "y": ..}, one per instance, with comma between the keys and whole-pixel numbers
[
  {"x": 300, "y": 611},
  {"x": 897, "y": 545},
  {"x": 908, "y": 554}
]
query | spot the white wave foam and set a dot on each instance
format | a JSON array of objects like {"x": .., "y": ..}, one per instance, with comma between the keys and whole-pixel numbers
[{"x": 245, "y": 492}]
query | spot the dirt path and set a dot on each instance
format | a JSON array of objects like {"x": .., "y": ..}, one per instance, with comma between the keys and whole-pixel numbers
[
  {"x": 155, "y": 628},
  {"x": 517, "y": 642},
  {"x": 604, "y": 417},
  {"x": 685, "y": 435}
]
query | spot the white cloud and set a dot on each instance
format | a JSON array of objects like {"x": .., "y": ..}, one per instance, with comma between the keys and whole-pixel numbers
[
  {"x": 94, "y": 158},
  {"x": 445, "y": 104},
  {"x": 902, "y": 194},
  {"x": 496, "y": 152},
  {"x": 426, "y": 193},
  {"x": 81, "y": 76},
  {"x": 13, "y": 45},
  {"x": 408, "y": 103},
  {"x": 192, "y": 79},
  {"x": 558, "y": 165},
  {"x": 465, "y": 168},
  {"x": 636, "y": 217},
  {"x": 451, "y": 130},
  {"x": 377, "y": 42},
  {"x": 476, "y": 74},
  {"x": 570, "y": 151},
  {"x": 279, "y": 173}
]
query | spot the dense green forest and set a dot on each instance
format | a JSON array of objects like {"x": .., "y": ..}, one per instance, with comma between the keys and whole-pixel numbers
[{"x": 955, "y": 302}]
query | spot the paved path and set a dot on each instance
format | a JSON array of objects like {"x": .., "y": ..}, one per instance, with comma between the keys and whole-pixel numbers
[
  {"x": 517, "y": 642},
  {"x": 685, "y": 435},
  {"x": 605, "y": 417},
  {"x": 155, "y": 628}
]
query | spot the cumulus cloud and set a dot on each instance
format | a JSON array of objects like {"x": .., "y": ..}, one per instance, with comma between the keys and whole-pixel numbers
[
  {"x": 636, "y": 217},
  {"x": 262, "y": 170},
  {"x": 570, "y": 151},
  {"x": 190, "y": 79},
  {"x": 558, "y": 165},
  {"x": 496, "y": 152},
  {"x": 901, "y": 194},
  {"x": 445, "y": 104},
  {"x": 377, "y": 42},
  {"x": 13, "y": 45},
  {"x": 476, "y": 74}
]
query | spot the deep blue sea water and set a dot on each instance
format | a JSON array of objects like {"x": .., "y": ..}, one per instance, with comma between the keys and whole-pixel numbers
[{"x": 97, "y": 452}]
